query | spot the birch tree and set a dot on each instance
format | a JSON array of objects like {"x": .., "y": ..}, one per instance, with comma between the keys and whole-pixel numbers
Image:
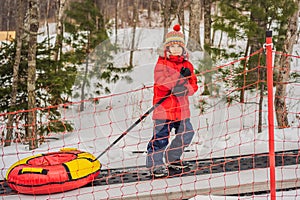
[
  {"x": 284, "y": 72},
  {"x": 31, "y": 82},
  {"x": 19, "y": 34},
  {"x": 60, "y": 5}
]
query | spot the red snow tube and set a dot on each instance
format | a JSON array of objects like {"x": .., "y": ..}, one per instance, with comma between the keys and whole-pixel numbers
[{"x": 53, "y": 172}]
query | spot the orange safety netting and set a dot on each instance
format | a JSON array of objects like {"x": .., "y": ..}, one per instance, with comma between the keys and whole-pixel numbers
[{"x": 228, "y": 154}]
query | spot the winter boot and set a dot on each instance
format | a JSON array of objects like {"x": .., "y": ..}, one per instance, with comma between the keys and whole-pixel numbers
[
  {"x": 178, "y": 165},
  {"x": 160, "y": 171}
]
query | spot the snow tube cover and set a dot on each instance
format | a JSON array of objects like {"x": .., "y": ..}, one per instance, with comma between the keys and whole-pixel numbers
[{"x": 53, "y": 172}]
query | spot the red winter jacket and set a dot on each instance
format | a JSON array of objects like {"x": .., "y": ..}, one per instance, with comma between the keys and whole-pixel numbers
[{"x": 166, "y": 75}]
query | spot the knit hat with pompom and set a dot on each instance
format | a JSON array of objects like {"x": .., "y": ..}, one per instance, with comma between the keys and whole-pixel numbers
[{"x": 174, "y": 37}]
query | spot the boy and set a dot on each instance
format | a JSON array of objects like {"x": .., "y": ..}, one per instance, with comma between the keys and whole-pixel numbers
[{"x": 173, "y": 76}]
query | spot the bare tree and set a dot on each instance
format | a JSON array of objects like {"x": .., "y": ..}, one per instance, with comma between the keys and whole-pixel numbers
[
  {"x": 194, "y": 42},
  {"x": 208, "y": 89},
  {"x": 180, "y": 14},
  {"x": 15, "y": 80},
  {"x": 166, "y": 16},
  {"x": 170, "y": 14},
  {"x": 134, "y": 21},
  {"x": 149, "y": 12},
  {"x": 1, "y": 18},
  {"x": 8, "y": 15},
  {"x": 116, "y": 21},
  {"x": 60, "y": 5},
  {"x": 46, "y": 24},
  {"x": 283, "y": 74},
  {"x": 207, "y": 23},
  {"x": 31, "y": 82},
  {"x": 124, "y": 15}
]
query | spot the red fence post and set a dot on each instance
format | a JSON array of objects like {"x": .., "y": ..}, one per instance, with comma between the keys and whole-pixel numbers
[{"x": 269, "y": 61}]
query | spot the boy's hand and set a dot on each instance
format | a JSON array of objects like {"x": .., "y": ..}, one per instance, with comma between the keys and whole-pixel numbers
[
  {"x": 180, "y": 91},
  {"x": 185, "y": 72}
]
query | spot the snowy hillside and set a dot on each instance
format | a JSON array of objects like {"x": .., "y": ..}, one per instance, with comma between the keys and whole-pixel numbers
[{"x": 222, "y": 130}]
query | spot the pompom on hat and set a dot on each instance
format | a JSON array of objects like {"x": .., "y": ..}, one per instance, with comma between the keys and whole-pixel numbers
[{"x": 174, "y": 37}]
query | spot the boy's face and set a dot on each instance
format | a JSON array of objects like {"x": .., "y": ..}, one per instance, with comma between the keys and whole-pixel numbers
[{"x": 176, "y": 50}]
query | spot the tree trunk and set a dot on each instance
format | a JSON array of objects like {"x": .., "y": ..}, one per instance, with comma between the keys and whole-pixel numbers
[
  {"x": 149, "y": 12},
  {"x": 207, "y": 24},
  {"x": 33, "y": 31},
  {"x": 255, "y": 43},
  {"x": 8, "y": 15},
  {"x": 207, "y": 46},
  {"x": 1, "y": 18},
  {"x": 104, "y": 10},
  {"x": 262, "y": 78},
  {"x": 180, "y": 15},
  {"x": 121, "y": 14},
  {"x": 116, "y": 22},
  {"x": 134, "y": 21},
  {"x": 19, "y": 34},
  {"x": 85, "y": 80},
  {"x": 242, "y": 92},
  {"x": 166, "y": 17},
  {"x": 284, "y": 72},
  {"x": 60, "y": 5},
  {"x": 47, "y": 32},
  {"x": 194, "y": 42}
]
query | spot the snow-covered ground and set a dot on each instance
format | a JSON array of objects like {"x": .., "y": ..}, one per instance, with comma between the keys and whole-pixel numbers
[{"x": 222, "y": 130}]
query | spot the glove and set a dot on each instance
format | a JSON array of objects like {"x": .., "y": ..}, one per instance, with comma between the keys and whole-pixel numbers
[
  {"x": 180, "y": 91},
  {"x": 185, "y": 72}
]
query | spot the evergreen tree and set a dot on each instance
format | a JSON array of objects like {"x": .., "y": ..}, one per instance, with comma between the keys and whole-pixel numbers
[
  {"x": 92, "y": 49},
  {"x": 55, "y": 82},
  {"x": 53, "y": 85},
  {"x": 248, "y": 21},
  {"x": 7, "y": 55}
]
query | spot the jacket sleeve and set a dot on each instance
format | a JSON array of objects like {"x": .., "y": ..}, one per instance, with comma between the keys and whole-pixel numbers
[
  {"x": 191, "y": 85},
  {"x": 165, "y": 78}
]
